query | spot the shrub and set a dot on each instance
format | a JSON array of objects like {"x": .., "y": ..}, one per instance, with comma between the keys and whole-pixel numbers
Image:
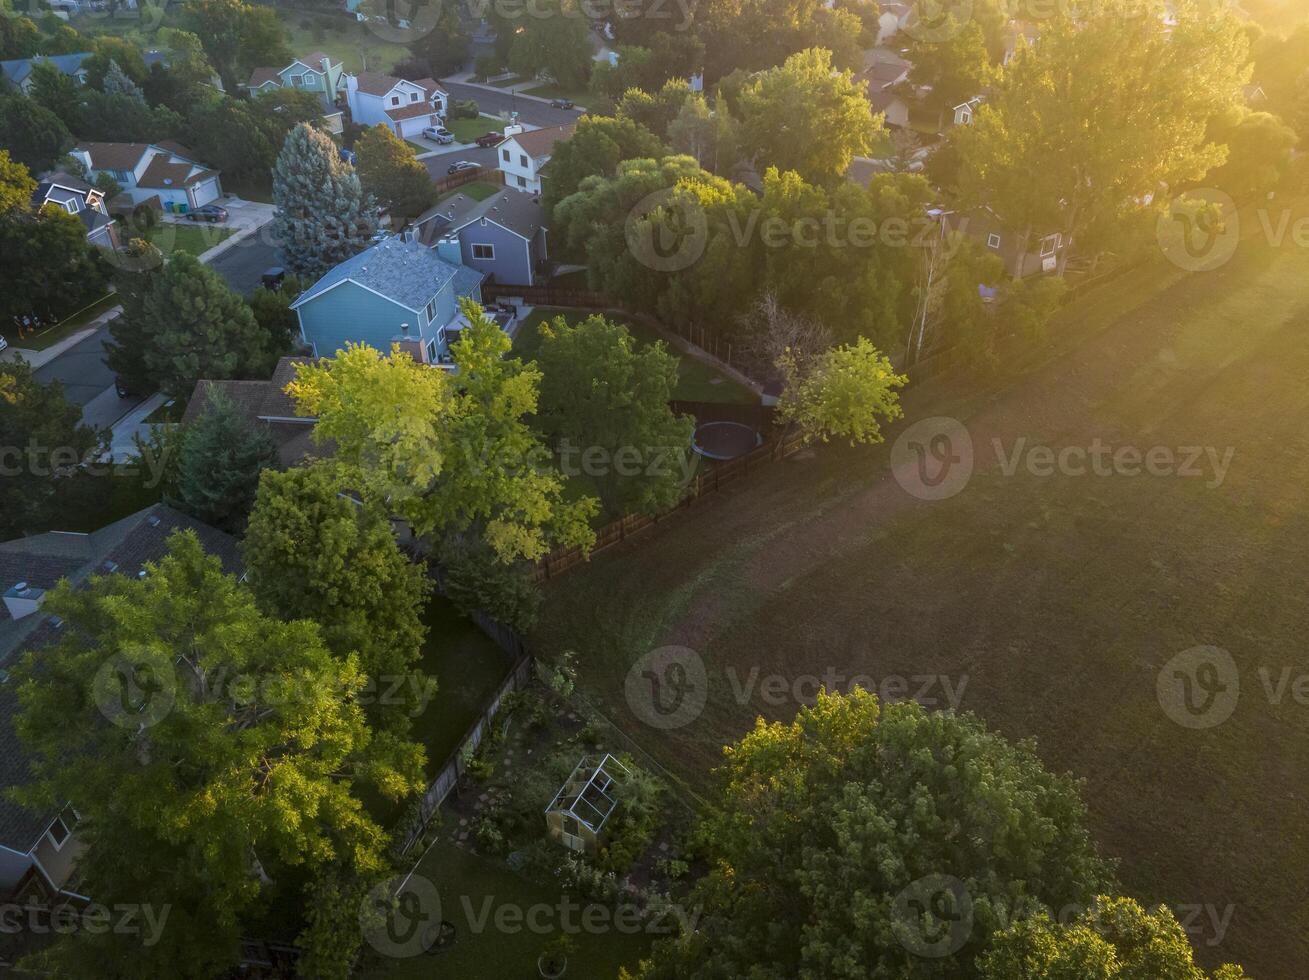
[{"x": 464, "y": 109}]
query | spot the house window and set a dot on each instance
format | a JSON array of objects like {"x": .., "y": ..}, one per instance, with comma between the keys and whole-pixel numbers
[
  {"x": 505, "y": 154},
  {"x": 430, "y": 310},
  {"x": 965, "y": 117},
  {"x": 431, "y": 351},
  {"x": 297, "y": 80},
  {"x": 395, "y": 100},
  {"x": 120, "y": 176},
  {"x": 1050, "y": 244},
  {"x": 522, "y": 181},
  {"x": 522, "y": 159},
  {"x": 73, "y": 206},
  {"x": 993, "y": 240},
  {"x": 484, "y": 252},
  {"x": 58, "y": 833},
  {"x": 413, "y": 96}
]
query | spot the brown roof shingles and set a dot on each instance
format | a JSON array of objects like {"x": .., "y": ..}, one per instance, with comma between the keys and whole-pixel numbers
[{"x": 540, "y": 142}]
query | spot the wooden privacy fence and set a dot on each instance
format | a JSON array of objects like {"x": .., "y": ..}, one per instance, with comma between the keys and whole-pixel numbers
[
  {"x": 545, "y": 295},
  {"x": 450, "y": 181},
  {"x": 715, "y": 478},
  {"x": 448, "y": 776}
]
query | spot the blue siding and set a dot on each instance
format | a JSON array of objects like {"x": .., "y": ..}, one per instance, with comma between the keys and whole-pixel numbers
[
  {"x": 513, "y": 258},
  {"x": 351, "y": 313}
]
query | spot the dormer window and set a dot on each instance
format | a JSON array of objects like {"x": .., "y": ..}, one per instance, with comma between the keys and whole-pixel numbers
[{"x": 993, "y": 240}]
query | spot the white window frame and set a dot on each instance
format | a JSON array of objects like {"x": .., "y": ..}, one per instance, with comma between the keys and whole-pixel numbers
[
  {"x": 1050, "y": 244},
  {"x": 395, "y": 100},
  {"x": 433, "y": 351},
  {"x": 413, "y": 96},
  {"x": 522, "y": 160},
  {"x": 484, "y": 258},
  {"x": 993, "y": 240},
  {"x": 429, "y": 310},
  {"x": 72, "y": 206},
  {"x": 505, "y": 156},
  {"x": 522, "y": 181}
]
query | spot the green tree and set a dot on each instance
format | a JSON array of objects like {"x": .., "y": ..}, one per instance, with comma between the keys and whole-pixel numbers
[
  {"x": 449, "y": 459},
  {"x": 36, "y": 422},
  {"x": 807, "y": 117},
  {"x": 389, "y": 170},
  {"x": 19, "y": 36},
  {"x": 323, "y": 215},
  {"x": 218, "y": 468},
  {"x": 55, "y": 91},
  {"x": 656, "y": 111},
  {"x": 843, "y": 393},
  {"x": 1259, "y": 149},
  {"x": 34, "y": 136},
  {"x": 952, "y": 69},
  {"x": 1081, "y": 128},
  {"x": 1114, "y": 939},
  {"x": 237, "y": 37},
  {"x": 597, "y": 146},
  {"x": 119, "y": 117},
  {"x": 831, "y": 834},
  {"x": 475, "y": 579},
  {"x": 599, "y": 391},
  {"x": 188, "y": 325},
  {"x": 16, "y": 186},
  {"x": 50, "y": 268},
  {"x": 229, "y": 784},
  {"x": 312, "y": 552},
  {"x": 272, "y": 310},
  {"x": 694, "y": 131},
  {"x": 113, "y": 51},
  {"x": 553, "y": 41}
]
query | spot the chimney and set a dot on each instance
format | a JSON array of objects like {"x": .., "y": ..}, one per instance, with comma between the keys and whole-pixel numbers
[
  {"x": 23, "y": 600},
  {"x": 448, "y": 250},
  {"x": 513, "y": 129}
]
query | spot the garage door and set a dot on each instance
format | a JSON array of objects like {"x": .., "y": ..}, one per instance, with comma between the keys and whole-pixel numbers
[{"x": 205, "y": 191}]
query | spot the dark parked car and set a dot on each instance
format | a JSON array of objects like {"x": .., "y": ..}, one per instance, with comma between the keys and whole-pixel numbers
[
  {"x": 123, "y": 388},
  {"x": 272, "y": 277},
  {"x": 455, "y": 168},
  {"x": 562, "y": 103},
  {"x": 490, "y": 139},
  {"x": 207, "y": 212}
]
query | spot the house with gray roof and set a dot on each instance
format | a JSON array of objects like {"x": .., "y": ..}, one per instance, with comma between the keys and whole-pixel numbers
[
  {"x": 502, "y": 236},
  {"x": 19, "y": 70},
  {"x": 38, "y": 850},
  {"x": 396, "y": 292},
  {"x": 76, "y": 196}
]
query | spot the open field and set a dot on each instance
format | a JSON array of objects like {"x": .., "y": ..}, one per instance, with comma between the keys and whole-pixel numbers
[
  {"x": 1048, "y": 604},
  {"x": 356, "y": 45}
]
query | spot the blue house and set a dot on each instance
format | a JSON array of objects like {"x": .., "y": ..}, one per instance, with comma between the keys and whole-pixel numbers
[
  {"x": 502, "y": 236},
  {"x": 19, "y": 70},
  {"x": 395, "y": 292}
]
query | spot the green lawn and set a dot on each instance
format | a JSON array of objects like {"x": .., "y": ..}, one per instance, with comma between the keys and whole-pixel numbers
[
  {"x": 196, "y": 239},
  {"x": 66, "y": 327},
  {"x": 467, "y": 130},
  {"x": 468, "y": 667},
  {"x": 353, "y": 43},
  {"x": 478, "y": 190},
  {"x": 1051, "y": 604},
  {"x": 696, "y": 381},
  {"x": 553, "y": 91},
  {"x": 469, "y": 885}
]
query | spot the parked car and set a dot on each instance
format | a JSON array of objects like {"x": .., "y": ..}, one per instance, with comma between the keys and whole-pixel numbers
[
  {"x": 347, "y": 155},
  {"x": 490, "y": 139},
  {"x": 462, "y": 165},
  {"x": 123, "y": 388},
  {"x": 207, "y": 212},
  {"x": 562, "y": 103},
  {"x": 3, "y": 343},
  {"x": 273, "y": 276},
  {"x": 439, "y": 134}
]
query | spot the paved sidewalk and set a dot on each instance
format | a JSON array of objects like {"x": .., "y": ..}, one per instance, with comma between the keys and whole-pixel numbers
[{"x": 121, "y": 444}]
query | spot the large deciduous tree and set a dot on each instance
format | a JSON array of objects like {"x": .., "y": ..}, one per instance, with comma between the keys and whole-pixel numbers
[
  {"x": 390, "y": 171},
  {"x": 212, "y": 753},
  {"x": 1106, "y": 110},
  {"x": 807, "y": 117},
  {"x": 237, "y": 37},
  {"x": 1114, "y": 939},
  {"x": 596, "y": 148},
  {"x": 323, "y": 215},
  {"x": 34, "y": 135},
  {"x": 313, "y": 552},
  {"x": 836, "y": 839},
  {"x": 843, "y": 393},
  {"x": 600, "y": 391},
  {"x": 553, "y": 40},
  {"x": 449, "y": 458}
]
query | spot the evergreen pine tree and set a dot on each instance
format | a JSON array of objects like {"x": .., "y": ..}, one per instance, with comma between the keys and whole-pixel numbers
[
  {"x": 117, "y": 83},
  {"x": 219, "y": 466},
  {"x": 323, "y": 215}
]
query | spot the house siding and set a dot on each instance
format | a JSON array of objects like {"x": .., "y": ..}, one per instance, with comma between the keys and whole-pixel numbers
[
  {"x": 513, "y": 262},
  {"x": 349, "y": 313}
]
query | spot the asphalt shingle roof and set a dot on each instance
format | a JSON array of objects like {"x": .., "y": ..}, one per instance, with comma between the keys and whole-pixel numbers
[
  {"x": 17, "y": 69},
  {"x": 541, "y": 142},
  {"x": 404, "y": 272},
  {"x": 519, "y": 212}
]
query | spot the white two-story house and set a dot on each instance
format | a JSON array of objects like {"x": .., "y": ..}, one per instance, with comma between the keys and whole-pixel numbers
[
  {"x": 404, "y": 107},
  {"x": 166, "y": 170},
  {"x": 523, "y": 156}
]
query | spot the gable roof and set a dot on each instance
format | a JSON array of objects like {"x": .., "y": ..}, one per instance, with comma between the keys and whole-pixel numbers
[
  {"x": 266, "y": 404},
  {"x": 540, "y": 143},
  {"x": 375, "y": 83},
  {"x": 420, "y": 108},
  {"x": 513, "y": 210},
  {"x": 262, "y": 76},
  {"x": 17, "y": 69},
  {"x": 314, "y": 60},
  {"x": 406, "y": 273},
  {"x": 114, "y": 156},
  {"x": 164, "y": 173},
  {"x": 42, "y": 560}
]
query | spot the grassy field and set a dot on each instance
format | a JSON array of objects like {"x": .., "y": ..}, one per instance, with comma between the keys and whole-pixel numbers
[
  {"x": 467, "y": 130},
  {"x": 468, "y": 885},
  {"x": 1050, "y": 604},
  {"x": 196, "y": 238},
  {"x": 696, "y": 380},
  {"x": 358, "y": 47}
]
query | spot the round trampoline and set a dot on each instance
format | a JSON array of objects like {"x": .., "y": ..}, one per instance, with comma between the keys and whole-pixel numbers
[{"x": 725, "y": 440}]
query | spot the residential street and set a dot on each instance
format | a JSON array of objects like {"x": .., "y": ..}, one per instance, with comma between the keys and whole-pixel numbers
[
  {"x": 244, "y": 262},
  {"x": 493, "y": 101},
  {"x": 81, "y": 368}
]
